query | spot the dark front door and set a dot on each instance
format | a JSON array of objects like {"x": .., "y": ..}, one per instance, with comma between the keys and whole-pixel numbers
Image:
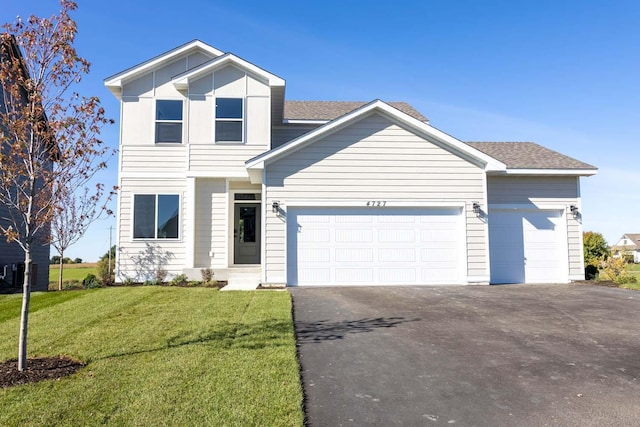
[{"x": 246, "y": 233}]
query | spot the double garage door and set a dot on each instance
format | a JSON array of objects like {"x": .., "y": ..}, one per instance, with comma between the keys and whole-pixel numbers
[
  {"x": 527, "y": 246},
  {"x": 369, "y": 246}
]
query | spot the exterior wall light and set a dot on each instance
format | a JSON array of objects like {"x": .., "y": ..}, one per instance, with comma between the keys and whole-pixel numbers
[
  {"x": 574, "y": 211},
  {"x": 275, "y": 206},
  {"x": 476, "y": 208}
]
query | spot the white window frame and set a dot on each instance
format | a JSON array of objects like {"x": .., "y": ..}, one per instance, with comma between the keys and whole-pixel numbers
[
  {"x": 241, "y": 120},
  {"x": 155, "y": 228},
  {"x": 155, "y": 121}
]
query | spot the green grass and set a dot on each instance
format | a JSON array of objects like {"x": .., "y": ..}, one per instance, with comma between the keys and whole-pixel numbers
[
  {"x": 157, "y": 356},
  {"x": 70, "y": 272}
]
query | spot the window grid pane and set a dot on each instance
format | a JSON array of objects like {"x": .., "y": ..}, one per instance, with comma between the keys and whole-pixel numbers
[
  {"x": 168, "y": 132},
  {"x": 168, "y": 216},
  {"x": 228, "y": 131},
  {"x": 168, "y": 109},
  {"x": 144, "y": 216},
  {"x": 229, "y": 108}
]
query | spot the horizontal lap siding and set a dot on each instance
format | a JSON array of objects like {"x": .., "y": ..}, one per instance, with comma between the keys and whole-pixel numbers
[
  {"x": 220, "y": 159},
  {"x": 373, "y": 159},
  {"x": 138, "y": 259},
  {"x": 151, "y": 158},
  {"x": 544, "y": 191}
]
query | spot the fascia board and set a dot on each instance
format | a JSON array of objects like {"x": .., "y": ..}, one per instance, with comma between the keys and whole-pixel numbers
[
  {"x": 570, "y": 172},
  {"x": 416, "y": 125},
  {"x": 114, "y": 83},
  {"x": 181, "y": 81}
]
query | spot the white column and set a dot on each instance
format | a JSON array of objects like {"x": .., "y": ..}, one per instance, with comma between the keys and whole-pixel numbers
[{"x": 190, "y": 217}]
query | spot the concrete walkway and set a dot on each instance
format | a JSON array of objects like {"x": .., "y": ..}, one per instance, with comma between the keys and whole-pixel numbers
[{"x": 566, "y": 355}]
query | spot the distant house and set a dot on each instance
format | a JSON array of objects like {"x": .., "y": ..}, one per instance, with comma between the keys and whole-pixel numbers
[
  {"x": 11, "y": 255},
  {"x": 218, "y": 170},
  {"x": 629, "y": 245}
]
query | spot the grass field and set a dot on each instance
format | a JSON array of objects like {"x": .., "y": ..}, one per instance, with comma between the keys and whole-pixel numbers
[
  {"x": 71, "y": 271},
  {"x": 157, "y": 356}
]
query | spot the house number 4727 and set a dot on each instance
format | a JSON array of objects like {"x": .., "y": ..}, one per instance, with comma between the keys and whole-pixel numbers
[{"x": 374, "y": 203}]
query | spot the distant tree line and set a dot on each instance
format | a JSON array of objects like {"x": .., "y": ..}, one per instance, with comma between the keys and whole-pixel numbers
[{"x": 56, "y": 260}]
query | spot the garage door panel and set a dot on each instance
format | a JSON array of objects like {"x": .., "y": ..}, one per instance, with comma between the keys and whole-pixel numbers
[
  {"x": 526, "y": 246},
  {"x": 354, "y": 255},
  {"x": 374, "y": 246}
]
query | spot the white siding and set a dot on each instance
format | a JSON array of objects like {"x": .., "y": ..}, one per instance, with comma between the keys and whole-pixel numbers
[
  {"x": 374, "y": 159},
  {"x": 139, "y": 259},
  {"x": 544, "y": 192},
  {"x": 210, "y": 223},
  {"x": 222, "y": 160},
  {"x": 153, "y": 160}
]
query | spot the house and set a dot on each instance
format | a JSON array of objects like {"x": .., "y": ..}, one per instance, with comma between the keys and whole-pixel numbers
[
  {"x": 629, "y": 244},
  {"x": 11, "y": 254},
  {"x": 217, "y": 170}
]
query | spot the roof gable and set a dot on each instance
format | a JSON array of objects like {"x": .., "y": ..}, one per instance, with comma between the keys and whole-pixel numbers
[
  {"x": 115, "y": 82},
  {"x": 414, "y": 125},
  {"x": 181, "y": 81}
]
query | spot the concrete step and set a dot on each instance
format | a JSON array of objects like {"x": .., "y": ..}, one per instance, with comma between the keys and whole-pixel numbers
[{"x": 243, "y": 279}]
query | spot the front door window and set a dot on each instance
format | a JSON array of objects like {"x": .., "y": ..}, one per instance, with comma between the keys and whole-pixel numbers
[{"x": 246, "y": 233}]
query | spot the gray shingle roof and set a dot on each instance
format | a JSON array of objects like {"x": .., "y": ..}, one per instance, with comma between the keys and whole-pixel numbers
[
  {"x": 329, "y": 110},
  {"x": 528, "y": 155}
]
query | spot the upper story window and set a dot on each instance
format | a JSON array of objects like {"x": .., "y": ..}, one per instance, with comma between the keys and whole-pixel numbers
[
  {"x": 229, "y": 120},
  {"x": 156, "y": 216},
  {"x": 169, "y": 121}
]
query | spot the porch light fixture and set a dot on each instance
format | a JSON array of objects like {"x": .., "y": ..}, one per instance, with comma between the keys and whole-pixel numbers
[
  {"x": 275, "y": 206},
  {"x": 574, "y": 210},
  {"x": 476, "y": 208}
]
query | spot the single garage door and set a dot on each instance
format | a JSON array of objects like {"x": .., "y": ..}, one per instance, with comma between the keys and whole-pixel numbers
[
  {"x": 369, "y": 246},
  {"x": 526, "y": 246}
]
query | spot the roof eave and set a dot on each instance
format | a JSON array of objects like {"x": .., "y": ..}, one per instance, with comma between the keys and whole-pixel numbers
[
  {"x": 114, "y": 82},
  {"x": 565, "y": 172}
]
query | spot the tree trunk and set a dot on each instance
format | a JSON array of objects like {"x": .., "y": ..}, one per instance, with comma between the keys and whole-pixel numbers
[
  {"x": 26, "y": 296},
  {"x": 60, "y": 272}
]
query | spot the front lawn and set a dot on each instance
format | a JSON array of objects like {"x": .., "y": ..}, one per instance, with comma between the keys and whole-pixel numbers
[{"x": 157, "y": 356}]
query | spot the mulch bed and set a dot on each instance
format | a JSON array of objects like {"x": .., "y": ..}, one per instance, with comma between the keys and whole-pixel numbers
[
  {"x": 40, "y": 369},
  {"x": 597, "y": 283}
]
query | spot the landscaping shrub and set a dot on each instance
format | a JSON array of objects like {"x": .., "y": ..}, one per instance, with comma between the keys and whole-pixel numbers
[
  {"x": 207, "y": 274},
  {"x": 107, "y": 278},
  {"x": 179, "y": 280},
  {"x": 161, "y": 276},
  {"x": 71, "y": 285},
  {"x": 91, "y": 282},
  {"x": 616, "y": 270}
]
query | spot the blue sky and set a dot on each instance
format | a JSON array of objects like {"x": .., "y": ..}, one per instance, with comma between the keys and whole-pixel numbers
[{"x": 563, "y": 74}]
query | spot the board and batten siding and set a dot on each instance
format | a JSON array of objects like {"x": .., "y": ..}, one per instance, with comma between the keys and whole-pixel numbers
[
  {"x": 374, "y": 159},
  {"x": 11, "y": 253},
  {"x": 210, "y": 223},
  {"x": 138, "y": 259},
  {"x": 550, "y": 192}
]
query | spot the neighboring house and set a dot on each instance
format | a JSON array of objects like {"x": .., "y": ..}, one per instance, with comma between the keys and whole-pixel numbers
[
  {"x": 218, "y": 170},
  {"x": 12, "y": 255},
  {"x": 629, "y": 244}
]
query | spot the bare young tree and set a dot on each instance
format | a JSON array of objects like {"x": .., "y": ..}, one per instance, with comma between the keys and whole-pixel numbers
[
  {"x": 48, "y": 133},
  {"x": 77, "y": 211}
]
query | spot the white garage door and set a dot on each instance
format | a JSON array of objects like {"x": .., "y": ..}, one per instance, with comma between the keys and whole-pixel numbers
[
  {"x": 526, "y": 246},
  {"x": 387, "y": 246}
]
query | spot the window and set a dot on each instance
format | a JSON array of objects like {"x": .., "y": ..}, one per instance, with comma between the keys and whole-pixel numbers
[
  {"x": 156, "y": 216},
  {"x": 169, "y": 121},
  {"x": 229, "y": 121}
]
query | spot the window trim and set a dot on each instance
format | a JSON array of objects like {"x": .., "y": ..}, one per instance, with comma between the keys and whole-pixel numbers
[
  {"x": 241, "y": 120},
  {"x": 156, "y": 121},
  {"x": 155, "y": 228}
]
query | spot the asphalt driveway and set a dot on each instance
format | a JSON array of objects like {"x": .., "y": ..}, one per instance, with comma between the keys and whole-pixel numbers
[{"x": 519, "y": 355}]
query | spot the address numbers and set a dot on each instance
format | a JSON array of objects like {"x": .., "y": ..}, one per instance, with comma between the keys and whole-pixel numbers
[{"x": 376, "y": 203}]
